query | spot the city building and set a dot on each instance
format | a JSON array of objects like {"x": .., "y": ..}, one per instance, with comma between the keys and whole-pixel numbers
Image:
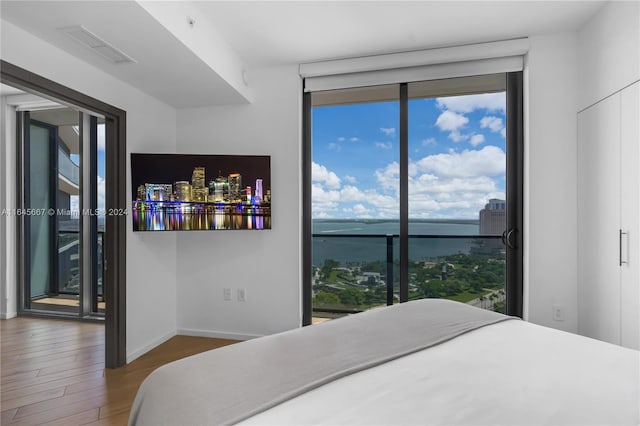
[
  {"x": 235, "y": 183},
  {"x": 258, "y": 195},
  {"x": 158, "y": 191},
  {"x": 142, "y": 193},
  {"x": 493, "y": 218},
  {"x": 198, "y": 177},
  {"x": 183, "y": 191},
  {"x": 200, "y": 195}
]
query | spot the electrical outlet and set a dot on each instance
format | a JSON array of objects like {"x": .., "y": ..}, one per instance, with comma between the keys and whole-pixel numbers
[
  {"x": 242, "y": 295},
  {"x": 226, "y": 294},
  {"x": 558, "y": 312}
]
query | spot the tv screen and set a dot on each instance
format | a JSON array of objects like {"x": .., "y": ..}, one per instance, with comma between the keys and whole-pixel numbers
[{"x": 183, "y": 192}]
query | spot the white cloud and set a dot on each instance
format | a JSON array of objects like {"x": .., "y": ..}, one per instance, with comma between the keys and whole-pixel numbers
[
  {"x": 429, "y": 141},
  {"x": 350, "y": 179},
  {"x": 476, "y": 139},
  {"x": 359, "y": 211},
  {"x": 341, "y": 139},
  {"x": 101, "y": 193},
  {"x": 469, "y": 103},
  {"x": 447, "y": 188},
  {"x": 503, "y": 132},
  {"x": 383, "y": 145},
  {"x": 389, "y": 177},
  {"x": 389, "y": 131},
  {"x": 74, "y": 200},
  {"x": 101, "y": 137},
  {"x": 450, "y": 121},
  {"x": 493, "y": 123},
  {"x": 432, "y": 196},
  {"x": 489, "y": 161},
  {"x": 320, "y": 173},
  {"x": 456, "y": 136},
  {"x": 334, "y": 147},
  {"x": 354, "y": 139}
]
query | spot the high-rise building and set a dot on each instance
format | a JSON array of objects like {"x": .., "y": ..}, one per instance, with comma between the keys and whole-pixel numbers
[
  {"x": 493, "y": 218},
  {"x": 235, "y": 183},
  {"x": 259, "y": 190},
  {"x": 142, "y": 193},
  {"x": 157, "y": 191},
  {"x": 183, "y": 191},
  {"x": 248, "y": 192},
  {"x": 200, "y": 195},
  {"x": 198, "y": 178},
  {"x": 267, "y": 197},
  {"x": 221, "y": 188}
]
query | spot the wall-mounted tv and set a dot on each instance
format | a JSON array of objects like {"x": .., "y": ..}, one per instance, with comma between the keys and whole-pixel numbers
[{"x": 183, "y": 192}]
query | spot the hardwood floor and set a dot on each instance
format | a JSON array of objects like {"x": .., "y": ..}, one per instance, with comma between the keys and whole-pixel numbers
[{"x": 52, "y": 372}]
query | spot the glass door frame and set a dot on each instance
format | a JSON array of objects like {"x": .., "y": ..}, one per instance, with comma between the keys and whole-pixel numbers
[
  {"x": 512, "y": 238},
  {"x": 24, "y": 296},
  {"x": 115, "y": 253}
]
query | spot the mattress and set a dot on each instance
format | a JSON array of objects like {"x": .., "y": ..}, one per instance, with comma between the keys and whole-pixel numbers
[{"x": 497, "y": 371}]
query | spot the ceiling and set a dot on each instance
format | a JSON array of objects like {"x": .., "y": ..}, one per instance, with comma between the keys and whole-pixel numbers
[{"x": 268, "y": 33}]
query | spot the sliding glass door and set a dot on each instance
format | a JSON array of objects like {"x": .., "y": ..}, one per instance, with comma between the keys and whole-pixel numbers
[
  {"x": 62, "y": 212},
  {"x": 354, "y": 194},
  {"x": 457, "y": 190},
  {"x": 410, "y": 195}
]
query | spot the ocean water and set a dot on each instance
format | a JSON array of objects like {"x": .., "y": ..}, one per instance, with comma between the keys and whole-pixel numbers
[{"x": 327, "y": 243}]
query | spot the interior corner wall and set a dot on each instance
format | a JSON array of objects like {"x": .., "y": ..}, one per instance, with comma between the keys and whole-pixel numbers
[
  {"x": 151, "y": 127},
  {"x": 266, "y": 264},
  {"x": 609, "y": 52},
  {"x": 551, "y": 264}
]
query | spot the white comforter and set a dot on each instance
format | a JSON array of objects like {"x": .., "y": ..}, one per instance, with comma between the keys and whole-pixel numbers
[{"x": 510, "y": 373}]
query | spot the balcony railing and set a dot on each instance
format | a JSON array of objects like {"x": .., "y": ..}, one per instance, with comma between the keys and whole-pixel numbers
[
  {"x": 69, "y": 262},
  {"x": 355, "y": 272},
  {"x": 67, "y": 168}
]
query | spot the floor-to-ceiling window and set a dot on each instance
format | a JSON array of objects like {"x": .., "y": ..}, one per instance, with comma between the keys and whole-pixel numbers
[{"x": 409, "y": 192}]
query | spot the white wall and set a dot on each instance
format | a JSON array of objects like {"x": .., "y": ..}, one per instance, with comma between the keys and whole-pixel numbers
[
  {"x": 151, "y": 127},
  {"x": 551, "y": 180},
  {"x": 609, "y": 52},
  {"x": 265, "y": 263}
]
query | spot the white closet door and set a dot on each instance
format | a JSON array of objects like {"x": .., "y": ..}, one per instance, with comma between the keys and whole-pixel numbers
[
  {"x": 630, "y": 217},
  {"x": 599, "y": 220}
]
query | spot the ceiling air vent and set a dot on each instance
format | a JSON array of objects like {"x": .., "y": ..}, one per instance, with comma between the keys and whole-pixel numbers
[{"x": 98, "y": 45}]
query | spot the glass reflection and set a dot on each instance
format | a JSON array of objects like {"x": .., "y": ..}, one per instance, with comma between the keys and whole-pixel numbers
[{"x": 185, "y": 217}]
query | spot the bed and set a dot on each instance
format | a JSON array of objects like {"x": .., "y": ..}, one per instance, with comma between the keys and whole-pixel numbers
[{"x": 422, "y": 362}]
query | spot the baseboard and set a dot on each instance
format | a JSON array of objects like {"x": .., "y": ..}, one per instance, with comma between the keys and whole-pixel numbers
[
  {"x": 216, "y": 334},
  {"x": 146, "y": 348},
  {"x": 8, "y": 315}
]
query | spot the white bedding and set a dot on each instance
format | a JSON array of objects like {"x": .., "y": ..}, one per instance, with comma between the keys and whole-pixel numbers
[{"x": 509, "y": 373}]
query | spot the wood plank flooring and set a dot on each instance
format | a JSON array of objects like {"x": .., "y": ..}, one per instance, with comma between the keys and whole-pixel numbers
[{"x": 52, "y": 372}]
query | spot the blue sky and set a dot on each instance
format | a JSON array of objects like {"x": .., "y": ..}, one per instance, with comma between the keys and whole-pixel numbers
[{"x": 456, "y": 157}]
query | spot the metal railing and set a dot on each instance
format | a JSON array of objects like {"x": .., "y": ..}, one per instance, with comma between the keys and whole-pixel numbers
[
  {"x": 67, "y": 168},
  {"x": 69, "y": 267},
  {"x": 489, "y": 246}
]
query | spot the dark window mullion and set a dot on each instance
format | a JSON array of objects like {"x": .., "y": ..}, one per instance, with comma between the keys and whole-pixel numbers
[
  {"x": 307, "y": 238},
  {"x": 93, "y": 226},
  {"x": 404, "y": 193},
  {"x": 515, "y": 179},
  {"x": 23, "y": 138},
  {"x": 54, "y": 284}
]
